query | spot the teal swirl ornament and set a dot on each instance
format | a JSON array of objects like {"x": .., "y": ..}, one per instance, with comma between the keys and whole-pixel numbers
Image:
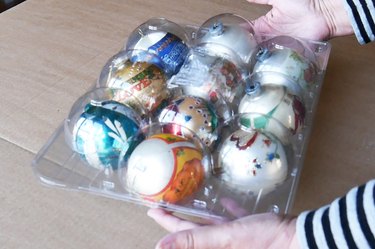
[{"x": 102, "y": 132}]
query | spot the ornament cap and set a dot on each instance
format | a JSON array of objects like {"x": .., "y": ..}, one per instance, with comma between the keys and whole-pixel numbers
[
  {"x": 263, "y": 54},
  {"x": 253, "y": 88},
  {"x": 217, "y": 29}
]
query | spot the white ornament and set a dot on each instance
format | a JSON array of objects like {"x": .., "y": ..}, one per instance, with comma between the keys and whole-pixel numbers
[
  {"x": 251, "y": 161},
  {"x": 273, "y": 109}
]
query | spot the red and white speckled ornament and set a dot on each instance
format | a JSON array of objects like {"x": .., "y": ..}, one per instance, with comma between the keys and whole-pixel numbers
[
  {"x": 251, "y": 161},
  {"x": 193, "y": 113}
]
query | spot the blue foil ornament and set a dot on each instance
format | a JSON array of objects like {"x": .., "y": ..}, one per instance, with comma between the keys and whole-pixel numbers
[
  {"x": 166, "y": 40},
  {"x": 102, "y": 132}
]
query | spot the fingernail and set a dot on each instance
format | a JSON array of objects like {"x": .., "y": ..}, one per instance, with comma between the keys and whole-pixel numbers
[
  {"x": 166, "y": 243},
  {"x": 150, "y": 213},
  {"x": 165, "y": 246}
]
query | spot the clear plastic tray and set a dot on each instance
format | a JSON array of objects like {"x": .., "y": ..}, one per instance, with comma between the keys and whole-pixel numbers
[{"x": 57, "y": 165}]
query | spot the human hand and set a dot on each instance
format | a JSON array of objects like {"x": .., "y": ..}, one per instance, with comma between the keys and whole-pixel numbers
[
  {"x": 308, "y": 19},
  {"x": 254, "y": 231}
]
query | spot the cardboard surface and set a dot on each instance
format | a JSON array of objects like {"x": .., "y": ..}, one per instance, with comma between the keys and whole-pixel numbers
[{"x": 52, "y": 51}]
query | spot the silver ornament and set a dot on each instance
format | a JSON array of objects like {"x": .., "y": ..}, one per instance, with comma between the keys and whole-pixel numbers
[{"x": 228, "y": 31}]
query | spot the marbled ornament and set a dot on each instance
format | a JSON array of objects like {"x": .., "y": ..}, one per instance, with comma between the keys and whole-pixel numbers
[
  {"x": 270, "y": 107},
  {"x": 251, "y": 161},
  {"x": 278, "y": 66},
  {"x": 102, "y": 132},
  {"x": 193, "y": 113},
  {"x": 165, "y": 168}
]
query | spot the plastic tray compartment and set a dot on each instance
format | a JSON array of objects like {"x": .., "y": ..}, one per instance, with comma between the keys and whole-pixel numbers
[{"x": 57, "y": 165}]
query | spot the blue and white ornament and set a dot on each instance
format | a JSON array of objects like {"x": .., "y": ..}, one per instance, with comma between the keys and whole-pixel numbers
[
  {"x": 165, "y": 39},
  {"x": 102, "y": 132}
]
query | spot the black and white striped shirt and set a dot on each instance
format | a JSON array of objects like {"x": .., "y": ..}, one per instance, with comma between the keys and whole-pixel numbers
[
  {"x": 348, "y": 222},
  {"x": 362, "y": 15}
]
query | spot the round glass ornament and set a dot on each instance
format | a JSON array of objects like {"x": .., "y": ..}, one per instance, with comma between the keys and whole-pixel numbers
[
  {"x": 217, "y": 80},
  {"x": 163, "y": 38},
  {"x": 264, "y": 102},
  {"x": 136, "y": 72},
  {"x": 286, "y": 61},
  {"x": 165, "y": 167},
  {"x": 99, "y": 128},
  {"x": 250, "y": 160},
  {"x": 193, "y": 113},
  {"x": 228, "y": 31}
]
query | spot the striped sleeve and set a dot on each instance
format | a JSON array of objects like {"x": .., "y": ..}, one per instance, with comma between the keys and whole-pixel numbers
[
  {"x": 347, "y": 223},
  {"x": 362, "y": 15}
]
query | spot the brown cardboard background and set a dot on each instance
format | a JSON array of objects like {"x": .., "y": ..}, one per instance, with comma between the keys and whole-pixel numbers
[{"x": 51, "y": 51}]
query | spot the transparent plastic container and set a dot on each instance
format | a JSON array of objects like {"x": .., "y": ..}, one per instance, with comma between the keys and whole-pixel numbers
[
  {"x": 216, "y": 79},
  {"x": 251, "y": 160},
  {"x": 228, "y": 31},
  {"x": 194, "y": 113},
  {"x": 166, "y": 167},
  {"x": 60, "y": 163},
  {"x": 163, "y": 38},
  {"x": 98, "y": 127},
  {"x": 286, "y": 61},
  {"x": 139, "y": 73},
  {"x": 273, "y": 101}
]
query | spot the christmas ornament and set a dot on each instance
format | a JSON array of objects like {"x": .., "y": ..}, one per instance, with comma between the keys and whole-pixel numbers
[
  {"x": 228, "y": 31},
  {"x": 102, "y": 132},
  {"x": 251, "y": 161},
  {"x": 166, "y": 39},
  {"x": 144, "y": 83},
  {"x": 214, "y": 79},
  {"x": 278, "y": 64},
  {"x": 166, "y": 168},
  {"x": 193, "y": 113},
  {"x": 266, "y": 102}
]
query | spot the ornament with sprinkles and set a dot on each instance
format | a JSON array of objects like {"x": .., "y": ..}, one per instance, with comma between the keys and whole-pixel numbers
[
  {"x": 250, "y": 161},
  {"x": 193, "y": 113}
]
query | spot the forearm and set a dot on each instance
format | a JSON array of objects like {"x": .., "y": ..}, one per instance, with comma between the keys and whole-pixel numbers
[
  {"x": 349, "y": 222},
  {"x": 362, "y": 15},
  {"x": 336, "y": 16}
]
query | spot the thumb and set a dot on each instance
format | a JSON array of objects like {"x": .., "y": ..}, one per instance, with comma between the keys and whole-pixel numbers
[
  {"x": 205, "y": 237},
  {"x": 261, "y": 26}
]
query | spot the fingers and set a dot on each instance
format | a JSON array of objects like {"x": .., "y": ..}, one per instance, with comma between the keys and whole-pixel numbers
[
  {"x": 233, "y": 207},
  {"x": 262, "y": 230},
  {"x": 170, "y": 222},
  {"x": 262, "y": 26},
  {"x": 268, "y": 2},
  {"x": 206, "y": 237}
]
